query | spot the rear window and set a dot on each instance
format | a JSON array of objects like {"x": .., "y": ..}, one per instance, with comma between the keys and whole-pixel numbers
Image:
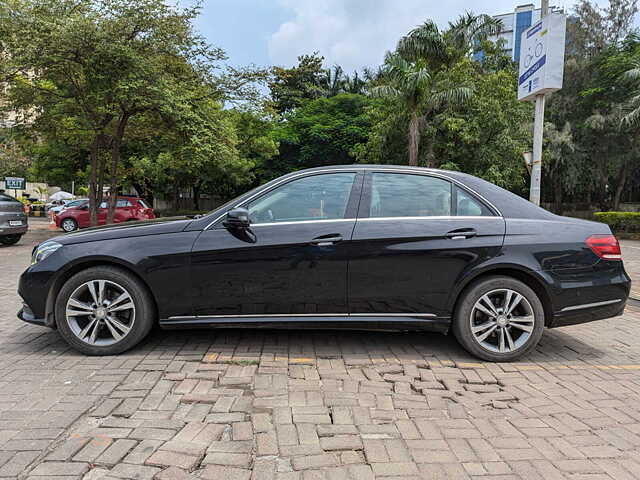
[
  {"x": 142, "y": 204},
  {"x": 7, "y": 198}
]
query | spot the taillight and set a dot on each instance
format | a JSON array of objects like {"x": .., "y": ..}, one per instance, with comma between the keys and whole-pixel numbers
[{"x": 605, "y": 246}]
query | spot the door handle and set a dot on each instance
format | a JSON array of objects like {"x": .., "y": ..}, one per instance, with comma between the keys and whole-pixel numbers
[
  {"x": 326, "y": 240},
  {"x": 461, "y": 234}
]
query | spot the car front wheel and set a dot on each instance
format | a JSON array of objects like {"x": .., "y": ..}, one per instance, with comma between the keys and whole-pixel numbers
[
  {"x": 69, "y": 225},
  {"x": 499, "y": 319},
  {"x": 104, "y": 311}
]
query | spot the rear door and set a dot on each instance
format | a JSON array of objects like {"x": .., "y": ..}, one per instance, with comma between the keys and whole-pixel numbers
[
  {"x": 415, "y": 236},
  {"x": 124, "y": 211}
]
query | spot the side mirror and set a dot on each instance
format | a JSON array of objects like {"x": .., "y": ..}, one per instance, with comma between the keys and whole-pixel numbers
[{"x": 237, "y": 218}]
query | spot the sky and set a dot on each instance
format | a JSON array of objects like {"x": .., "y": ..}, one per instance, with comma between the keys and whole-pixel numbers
[{"x": 351, "y": 33}]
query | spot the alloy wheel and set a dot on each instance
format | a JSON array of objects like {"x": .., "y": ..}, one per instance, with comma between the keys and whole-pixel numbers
[
  {"x": 100, "y": 312},
  {"x": 502, "y": 320},
  {"x": 68, "y": 225}
]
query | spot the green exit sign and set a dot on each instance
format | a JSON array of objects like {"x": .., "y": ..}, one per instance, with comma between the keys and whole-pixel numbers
[{"x": 14, "y": 183}]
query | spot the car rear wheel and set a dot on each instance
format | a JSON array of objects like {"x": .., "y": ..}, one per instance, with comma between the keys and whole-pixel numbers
[
  {"x": 104, "y": 311},
  {"x": 10, "y": 239},
  {"x": 69, "y": 225},
  {"x": 499, "y": 319}
]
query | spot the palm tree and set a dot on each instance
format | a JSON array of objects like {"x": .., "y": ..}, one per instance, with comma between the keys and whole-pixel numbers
[
  {"x": 442, "y": 49},
  {"x": 421, "y": 95},
  {"x": 425, "y": 43},
  {"x": 466, "y": 33},
  {"x": 631, "y": 116},
  {"x": 414, "y": 74}
]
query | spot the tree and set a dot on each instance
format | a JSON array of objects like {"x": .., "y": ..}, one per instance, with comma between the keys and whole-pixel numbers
[
  {"x": 290, "y": 87},
  {"x": 257, "y": 144},
  {"x": 100, "y": 64},
  {"x": 422, "y": 94},
  {"x": 487, "y": 135},
  {"x": 321, "y": 132},
  {"x": 13, "y": 161},
  {"x": 443, "y": 49},
  {"x": 195, "y": 148},
  {"x": 603, "y": 161}
]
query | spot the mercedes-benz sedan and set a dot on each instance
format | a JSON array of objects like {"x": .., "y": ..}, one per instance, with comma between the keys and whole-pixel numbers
[{"x": 348, "y": 246}]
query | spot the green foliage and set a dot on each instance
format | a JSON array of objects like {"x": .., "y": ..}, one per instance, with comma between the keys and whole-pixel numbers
[
  {"x": 487, "y": 136},
  {"x": 126, "y": 93},
  {"x": 94, "y": 67},
  {"x": 620, "y": 222},
  {"x": 321, "y": 132},
  {"x": 290, "y": 87}
]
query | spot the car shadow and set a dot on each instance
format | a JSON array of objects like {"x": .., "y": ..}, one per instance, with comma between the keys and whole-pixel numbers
[{"x": 355, "y": 345}]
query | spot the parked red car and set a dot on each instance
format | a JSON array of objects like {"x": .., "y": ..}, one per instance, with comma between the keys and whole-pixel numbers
[{"x": 127, "y": 209}]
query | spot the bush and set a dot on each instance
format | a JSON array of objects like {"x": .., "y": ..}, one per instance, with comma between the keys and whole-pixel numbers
[{"x": 620, "y": 222}]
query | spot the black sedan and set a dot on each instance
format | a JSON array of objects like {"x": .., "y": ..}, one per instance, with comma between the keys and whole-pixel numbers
[{"x": 372, "y": 247}]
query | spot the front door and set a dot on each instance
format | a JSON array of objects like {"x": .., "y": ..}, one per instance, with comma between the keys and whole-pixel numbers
[
  {"x": 416, "y": 235},
  {"x": 293, "y": 258}
]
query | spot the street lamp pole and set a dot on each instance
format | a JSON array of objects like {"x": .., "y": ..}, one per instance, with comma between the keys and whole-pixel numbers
[{"x": 538, "y": 130}]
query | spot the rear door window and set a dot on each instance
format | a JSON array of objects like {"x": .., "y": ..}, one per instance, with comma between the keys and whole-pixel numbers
[
  {"x": 407, "y": 195},
  {"x": 469, "y": 206}
]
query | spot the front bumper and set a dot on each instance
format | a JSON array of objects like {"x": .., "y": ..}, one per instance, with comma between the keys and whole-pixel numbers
[{"x": 26, "y": 315}]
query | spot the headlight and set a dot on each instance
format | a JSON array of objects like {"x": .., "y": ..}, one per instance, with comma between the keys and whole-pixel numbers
[{"x": 43, "y": 250}]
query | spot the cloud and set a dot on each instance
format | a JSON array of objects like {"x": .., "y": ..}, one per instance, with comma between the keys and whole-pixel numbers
[{"x": 357, "y": 33}]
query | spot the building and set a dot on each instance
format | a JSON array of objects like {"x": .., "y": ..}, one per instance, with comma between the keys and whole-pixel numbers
[{"x": 513, "y": 24}]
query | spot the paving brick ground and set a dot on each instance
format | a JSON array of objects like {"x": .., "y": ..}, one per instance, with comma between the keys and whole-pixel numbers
[{"x": 304, "y": 405}]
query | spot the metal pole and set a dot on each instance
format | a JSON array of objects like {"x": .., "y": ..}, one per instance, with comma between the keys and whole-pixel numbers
[{"x": 538, "y": 130}]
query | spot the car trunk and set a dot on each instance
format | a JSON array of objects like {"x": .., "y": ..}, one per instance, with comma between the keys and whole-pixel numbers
[{"x": 10, "y": 213}]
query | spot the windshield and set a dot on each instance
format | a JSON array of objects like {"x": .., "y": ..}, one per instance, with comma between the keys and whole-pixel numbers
[
  {"x": 7, "y": 198},
  {"x": 76, "y": 203}
]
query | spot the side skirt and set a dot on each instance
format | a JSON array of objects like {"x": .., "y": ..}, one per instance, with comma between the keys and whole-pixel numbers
[{"x": 379, "y": 322}]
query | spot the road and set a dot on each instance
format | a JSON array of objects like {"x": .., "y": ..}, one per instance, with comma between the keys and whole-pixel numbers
[{"x": 306, "y": 405}]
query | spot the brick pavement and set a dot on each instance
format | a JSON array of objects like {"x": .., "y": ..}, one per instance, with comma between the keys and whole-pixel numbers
[{"x": 306, "y": 405}]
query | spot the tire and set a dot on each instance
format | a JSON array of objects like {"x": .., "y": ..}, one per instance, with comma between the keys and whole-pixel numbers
[
  {"x": 69, "y": 225},
  {"x": 10, "y": 239},
  {"x": 509, "y": 335},
  {"x": 139, "y": 320}
]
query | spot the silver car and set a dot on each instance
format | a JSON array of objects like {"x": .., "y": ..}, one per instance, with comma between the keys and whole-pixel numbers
[{"x": 13, "y": 220}]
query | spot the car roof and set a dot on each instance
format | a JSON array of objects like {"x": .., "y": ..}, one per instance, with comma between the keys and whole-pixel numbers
[{"x": 508, "y": 204}]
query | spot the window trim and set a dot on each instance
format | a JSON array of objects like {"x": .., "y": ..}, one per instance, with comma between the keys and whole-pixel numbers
[
  {"x": 351, "y": 210},
  {"x": 365, "y": 202}
]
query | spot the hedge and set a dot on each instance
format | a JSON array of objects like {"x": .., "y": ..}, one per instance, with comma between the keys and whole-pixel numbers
[{"x": 620, "y": 222}]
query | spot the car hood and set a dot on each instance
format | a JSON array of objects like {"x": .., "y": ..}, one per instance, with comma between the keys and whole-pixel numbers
[{"x": 125, "y": 230}]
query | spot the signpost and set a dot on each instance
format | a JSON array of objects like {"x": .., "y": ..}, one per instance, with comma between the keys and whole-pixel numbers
[
  {"x": 15, "y": 184},
  {"x": 541, "y": 71}
]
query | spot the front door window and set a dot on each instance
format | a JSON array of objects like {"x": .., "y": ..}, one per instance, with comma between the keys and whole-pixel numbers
[{"x": 318, "y": 197}]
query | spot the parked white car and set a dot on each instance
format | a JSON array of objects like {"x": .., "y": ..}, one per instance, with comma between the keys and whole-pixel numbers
[{"x": 57, "y": 209}]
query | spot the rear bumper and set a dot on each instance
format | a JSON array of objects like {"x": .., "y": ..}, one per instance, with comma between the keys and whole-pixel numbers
[
  {"x": 588, "y": 313},
  {"x": 586, "y": 295},
  {"x": 6, "y": 230}
]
